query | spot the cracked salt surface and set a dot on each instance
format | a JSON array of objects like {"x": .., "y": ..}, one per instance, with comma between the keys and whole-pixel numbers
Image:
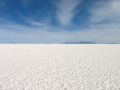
[{"x": 59, "y": 67}]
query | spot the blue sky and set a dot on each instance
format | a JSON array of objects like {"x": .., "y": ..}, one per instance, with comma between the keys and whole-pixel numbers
[{"x": 57, "y": 21}]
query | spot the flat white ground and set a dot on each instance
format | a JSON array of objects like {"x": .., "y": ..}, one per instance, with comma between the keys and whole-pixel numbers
[{"x": 59, "y": 67}]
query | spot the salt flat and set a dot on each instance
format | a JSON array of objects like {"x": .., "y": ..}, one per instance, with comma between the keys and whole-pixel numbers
[{"x": 59, "y": 67}]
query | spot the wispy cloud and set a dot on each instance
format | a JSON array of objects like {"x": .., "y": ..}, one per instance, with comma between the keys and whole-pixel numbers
[
  {"x": 39, "y": 23},
  {"x": 16, "y": 33},
  {"x": 105, "y": 16},
  {"x": 33, "y": 22},
  {"x": 26, "y": 28},
  {"x": 106, "y": 10},
  {"x": 36, "y": 23},
  {"x": 65, "y": 10}
]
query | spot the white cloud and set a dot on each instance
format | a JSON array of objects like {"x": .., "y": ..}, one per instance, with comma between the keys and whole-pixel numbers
[
  {"x": 65, "y": 10},
  {"x": 101, "y": 33},
  {"x": 106, "y": 18},
  {"x": 29, "y": 20},
  {"x": 106, "y": 10},
  {"x": 38, "y": 23},
  {"x": 12, "y": 32}
]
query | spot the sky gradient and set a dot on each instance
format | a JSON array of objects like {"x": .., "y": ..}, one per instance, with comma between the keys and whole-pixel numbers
[{"x": 59, "y": 21}]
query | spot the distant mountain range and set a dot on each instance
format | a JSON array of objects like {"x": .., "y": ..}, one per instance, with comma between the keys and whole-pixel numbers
[
  {"x": 87, "y": 42},
  {"x": 81, "y": 42}
]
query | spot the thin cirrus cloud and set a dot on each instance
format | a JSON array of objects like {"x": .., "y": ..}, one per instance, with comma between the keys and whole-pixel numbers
[
  {"x": 13, "y": 33},
  {"x": 106, "y": 11},
  {"x": 34, "y": 23},
  {"x": 65, "y": 10}
]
